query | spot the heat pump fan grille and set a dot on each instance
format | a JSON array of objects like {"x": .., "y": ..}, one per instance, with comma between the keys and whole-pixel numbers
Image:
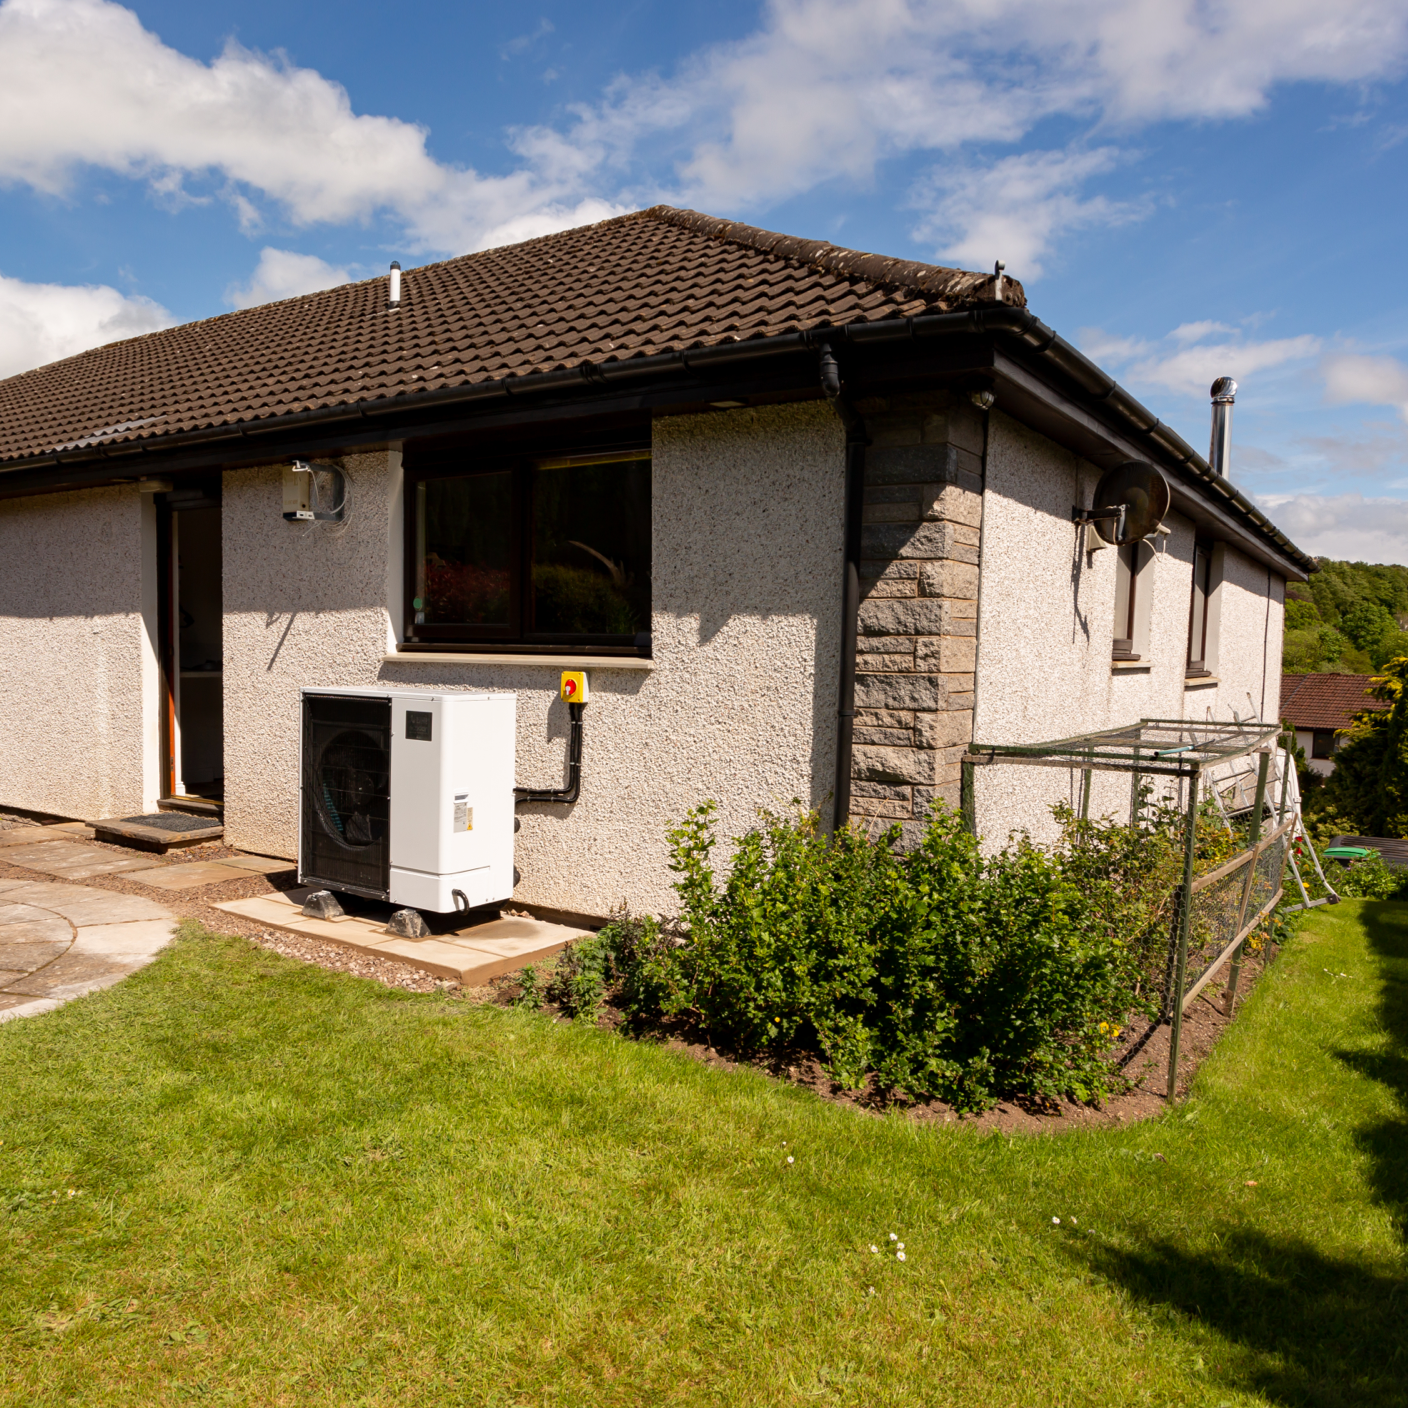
[{"x": 347, "y": 793}]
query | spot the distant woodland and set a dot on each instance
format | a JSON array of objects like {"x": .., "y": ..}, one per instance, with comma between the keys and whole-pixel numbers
[{"x": 1348, "y": 617}]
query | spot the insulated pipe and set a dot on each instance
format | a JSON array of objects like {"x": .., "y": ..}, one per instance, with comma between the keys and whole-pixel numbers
[
  {"x": 574, "y": 768},
  {"x": 857, "y": 439},
  {"x": 393, "y": 296},
  {"x": 1224, "y": 397}
]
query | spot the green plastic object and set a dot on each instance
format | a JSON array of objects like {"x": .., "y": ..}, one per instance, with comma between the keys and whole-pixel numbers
[{"x": 1347, "y": 853}]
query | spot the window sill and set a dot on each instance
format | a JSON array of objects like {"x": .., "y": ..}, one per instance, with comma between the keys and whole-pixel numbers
[
  {"x": 556, "y": 662},
  {"x": 1200, "y": 681},
  {"x": 1126, "y": 667}
]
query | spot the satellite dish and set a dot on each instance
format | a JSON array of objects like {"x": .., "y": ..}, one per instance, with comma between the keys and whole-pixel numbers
[{"x": 1130, "y": 502}]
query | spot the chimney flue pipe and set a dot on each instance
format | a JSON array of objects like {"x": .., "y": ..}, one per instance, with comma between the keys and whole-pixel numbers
[
  {"x": 393, "y": 297},
  {"x": 1224, "y": 396}
]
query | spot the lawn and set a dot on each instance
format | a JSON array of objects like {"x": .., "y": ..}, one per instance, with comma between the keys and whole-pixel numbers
[{"x": 290, "y": 1186}]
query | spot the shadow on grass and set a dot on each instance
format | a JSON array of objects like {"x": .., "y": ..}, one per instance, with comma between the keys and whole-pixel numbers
[{"x": 1303, "y": 1327}]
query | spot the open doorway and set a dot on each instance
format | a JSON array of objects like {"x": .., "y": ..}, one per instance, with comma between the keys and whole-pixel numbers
[{"x": 193, "y": 736}]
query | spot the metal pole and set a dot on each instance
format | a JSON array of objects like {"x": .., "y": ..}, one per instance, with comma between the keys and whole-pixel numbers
[
  {"x": 967, "y": 804},
  {"x": 1085, "y": 775},
  {"x": 1255, "y": 836},
  {"x": 1185, "y": 911},
  {"x": 1285, "y": 783},
  {"x": 1134, "y": 807}
]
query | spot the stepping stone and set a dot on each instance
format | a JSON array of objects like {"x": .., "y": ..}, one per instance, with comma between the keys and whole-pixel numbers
[
  {"x": 72, "y": 860},
  {"x": 28, "y": 835},
  {"x": 263, "y": 865},
  {"x": 75, "y": 974},
  {"x": 190, "y": 877}
]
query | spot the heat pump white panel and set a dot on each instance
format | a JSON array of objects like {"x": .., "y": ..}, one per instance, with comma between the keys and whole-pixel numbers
[
  {"x": 447, "y": 839},
  {"x": 452, "y": 771}
]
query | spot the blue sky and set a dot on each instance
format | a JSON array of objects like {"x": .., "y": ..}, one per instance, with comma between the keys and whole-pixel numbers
[{"x": 1186, "y": 188}]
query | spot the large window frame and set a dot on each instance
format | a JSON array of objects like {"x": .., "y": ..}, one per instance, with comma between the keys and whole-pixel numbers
[{"x": 518, "y": 636}]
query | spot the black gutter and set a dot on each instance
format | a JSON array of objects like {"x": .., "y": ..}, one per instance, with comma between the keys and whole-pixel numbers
[
  {"x": 1032, "y": 335},
  {"x": 857, "y": 438}
]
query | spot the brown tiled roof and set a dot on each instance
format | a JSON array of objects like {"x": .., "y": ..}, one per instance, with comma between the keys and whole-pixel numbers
[
  {"x": 656, "y": 281},
  {"x": 1326, "y": 701}
]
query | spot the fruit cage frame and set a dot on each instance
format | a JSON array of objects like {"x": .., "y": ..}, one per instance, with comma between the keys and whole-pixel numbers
[{"x": 1215, "y": 912}]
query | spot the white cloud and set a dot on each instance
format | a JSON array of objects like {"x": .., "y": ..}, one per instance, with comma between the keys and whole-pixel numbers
[
  {"x": 1183, "y": 363},
  {"x": 281, "y": 273},
  {"x": 83, "y": 84},
  {"x": 1343, "y": 525},
  {"x": 40, "y": 323},
  {"x": 1015, "y": 209},
  {"x": 823, "y": 89},
  {"x": 1376, "y": 381}
]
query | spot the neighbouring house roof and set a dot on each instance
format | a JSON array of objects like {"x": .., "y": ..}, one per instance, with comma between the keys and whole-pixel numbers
[
  {"x": 1326, "y": 701},
  {"x": 656, "y": 281}
]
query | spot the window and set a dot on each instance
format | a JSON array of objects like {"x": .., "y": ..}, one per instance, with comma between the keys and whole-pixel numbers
[
  {"x": 1323, "y": 744},
  {"x": 1126, "y": 601},
  {"x": 1198, "y": 612},
  {"x": 546, "y": 553}
]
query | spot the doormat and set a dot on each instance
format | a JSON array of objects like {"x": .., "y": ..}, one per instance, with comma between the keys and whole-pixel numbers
[{"x": 170, "y": 821}]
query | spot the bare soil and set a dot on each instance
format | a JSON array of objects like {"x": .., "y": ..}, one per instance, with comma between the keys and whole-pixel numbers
[{"x": 1144, "y": 1055}]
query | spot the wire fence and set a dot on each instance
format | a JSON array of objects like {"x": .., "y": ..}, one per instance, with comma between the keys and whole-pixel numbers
[{"x": 1228, "y": 905}]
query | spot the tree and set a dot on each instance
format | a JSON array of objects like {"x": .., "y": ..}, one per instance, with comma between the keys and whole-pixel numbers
[{"x": 1369, "y": 786}]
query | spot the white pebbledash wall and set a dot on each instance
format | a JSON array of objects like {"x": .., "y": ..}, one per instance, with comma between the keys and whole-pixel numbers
[
  {"x": 1045, "y": 624},
  {"x": 740, "y": 704},
  {"x": 78, "y": 666}
]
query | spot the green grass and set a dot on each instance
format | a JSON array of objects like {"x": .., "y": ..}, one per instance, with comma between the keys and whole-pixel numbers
[{"x": 297, "y": 1187}]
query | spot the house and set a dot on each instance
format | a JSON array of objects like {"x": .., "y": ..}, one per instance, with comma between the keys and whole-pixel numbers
[
  {"x": 1319, "y": 706},
  {"x": 804, "y": 515}
]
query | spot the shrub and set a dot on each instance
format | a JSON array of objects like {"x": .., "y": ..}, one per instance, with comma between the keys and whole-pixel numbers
[{"x": 940, "y": 972}]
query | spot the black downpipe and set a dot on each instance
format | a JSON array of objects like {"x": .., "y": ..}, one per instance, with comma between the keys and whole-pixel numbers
[
  {"x": 857, "y": 438},
  {"x": 574, "y": 768}
]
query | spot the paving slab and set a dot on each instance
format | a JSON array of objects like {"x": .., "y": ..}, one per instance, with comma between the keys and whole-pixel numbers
[
  {"x": 28, "y": 835},
  {"x": 190, "y": 876},
  {"x": 14, "y": 913},
  {"x": 50, "y": 928},
  {"x": 72, "y": 860},
  {"x": 471, "y": 956},
  {"x": 136, "y": 936},
  {"x": 14, "y": 1005},
  {"x": 27, "y": 957},
  {"x": 81, "y": 905},
  {"x": 262, "y": 865},
  {"x": 73, "y": 828},
  {"x": 74, "y": 974},
  {"x": 124, "y": 933}
]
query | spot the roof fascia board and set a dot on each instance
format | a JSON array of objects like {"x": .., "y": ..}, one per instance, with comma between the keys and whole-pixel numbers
[
  {"x": 1039, "y": 344},
  {"x": 1033, "y": 401}
]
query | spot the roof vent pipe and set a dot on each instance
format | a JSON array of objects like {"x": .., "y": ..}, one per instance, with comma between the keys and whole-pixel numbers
[
  {"x": 393, "y": 299},
  {"x": 997, "y": 280},
  {"x": 1224, "y": 395}
]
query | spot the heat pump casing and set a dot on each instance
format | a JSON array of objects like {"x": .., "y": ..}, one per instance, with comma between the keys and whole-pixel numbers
[{"x": 428, "y": 816}]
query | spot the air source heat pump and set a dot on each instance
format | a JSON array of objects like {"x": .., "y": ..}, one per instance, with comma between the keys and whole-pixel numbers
[{"x": 407, "y": 796}]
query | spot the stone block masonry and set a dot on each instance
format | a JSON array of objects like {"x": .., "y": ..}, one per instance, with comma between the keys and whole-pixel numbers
[{"x": 918, "y": 629}]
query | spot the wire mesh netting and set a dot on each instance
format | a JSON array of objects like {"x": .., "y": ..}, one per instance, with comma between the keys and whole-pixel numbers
[{"x": 1228, "y": 905}]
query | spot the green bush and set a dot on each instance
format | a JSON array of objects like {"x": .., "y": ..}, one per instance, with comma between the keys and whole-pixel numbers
[
  {"x": 939, "y": 972},
  {"x": 1367, "y": 879}
]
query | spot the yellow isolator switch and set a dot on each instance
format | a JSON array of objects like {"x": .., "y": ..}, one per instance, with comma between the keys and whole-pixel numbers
[{"x": 575, "y": 689}]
